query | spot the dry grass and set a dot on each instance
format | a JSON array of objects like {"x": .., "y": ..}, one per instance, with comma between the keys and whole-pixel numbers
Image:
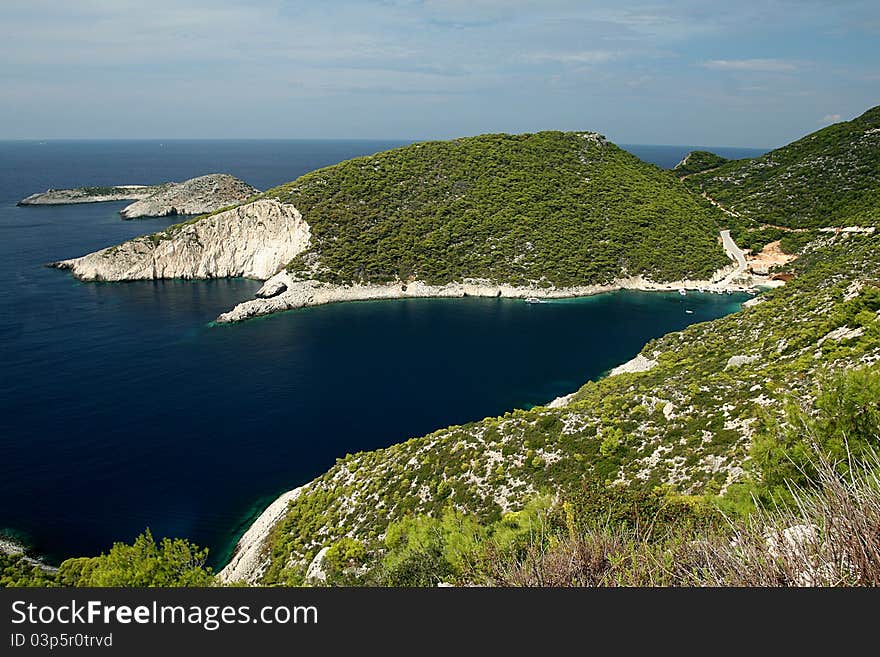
[{"x": 829, "y": 537}]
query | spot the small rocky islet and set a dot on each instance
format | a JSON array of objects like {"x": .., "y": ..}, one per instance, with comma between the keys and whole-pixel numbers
[{"x": 195, "y": 196}]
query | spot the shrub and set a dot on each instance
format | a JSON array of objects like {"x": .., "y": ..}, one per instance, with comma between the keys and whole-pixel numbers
[{"x": 144, "y": 563}]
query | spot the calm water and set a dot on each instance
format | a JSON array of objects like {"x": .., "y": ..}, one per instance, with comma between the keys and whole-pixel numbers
[
  {"x": 121, "y": 408},
  {"x": 668, "y": 156}
]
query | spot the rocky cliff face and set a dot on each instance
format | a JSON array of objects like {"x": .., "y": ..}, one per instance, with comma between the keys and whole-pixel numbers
[
  {"x": 194, "y": 196},
  {"x": 254, "y": 240}
]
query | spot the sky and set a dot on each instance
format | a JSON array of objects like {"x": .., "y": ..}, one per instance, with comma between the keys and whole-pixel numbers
[{"x": 753, "y": 73}]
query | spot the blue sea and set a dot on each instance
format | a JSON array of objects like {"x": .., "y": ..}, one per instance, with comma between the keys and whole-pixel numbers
[{"x": 122, "y": 408}]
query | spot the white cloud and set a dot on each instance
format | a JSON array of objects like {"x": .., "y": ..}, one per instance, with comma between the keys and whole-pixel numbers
[
  {"x": 578, "y": 57},
  {"x": 762, "y": 65}
]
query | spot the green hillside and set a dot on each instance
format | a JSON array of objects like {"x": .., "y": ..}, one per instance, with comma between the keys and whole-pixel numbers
[
  {"x": 828, "y": 178},
  {"x": 697, "y": 161},
  {"x": 726, "y": 411},
  {"x": 686, "y": 424},
  {"x": 552, "y": 207}
]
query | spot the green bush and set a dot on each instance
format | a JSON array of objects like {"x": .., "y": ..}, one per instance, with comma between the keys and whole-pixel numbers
[
  {"x": 15, "y": 570},
  {"x": 842, "y": 427},
  {"x": 144, "y": 563}
]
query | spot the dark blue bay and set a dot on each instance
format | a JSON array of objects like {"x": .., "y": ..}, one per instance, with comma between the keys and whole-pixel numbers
[{"x": 121, "y": 408}]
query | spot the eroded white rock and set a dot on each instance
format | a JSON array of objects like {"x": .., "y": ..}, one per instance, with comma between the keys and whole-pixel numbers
[{"x": 253, "y": 240}]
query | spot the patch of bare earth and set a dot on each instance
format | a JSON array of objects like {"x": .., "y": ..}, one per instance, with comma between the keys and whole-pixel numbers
[{"x": 771, "y": 255}]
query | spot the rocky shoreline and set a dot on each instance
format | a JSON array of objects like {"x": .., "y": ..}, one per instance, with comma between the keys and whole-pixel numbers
[
  {"x": 282, "y": 292},
  {"x": 247, "y": 562},
  {"x": 10, "y": 548}
]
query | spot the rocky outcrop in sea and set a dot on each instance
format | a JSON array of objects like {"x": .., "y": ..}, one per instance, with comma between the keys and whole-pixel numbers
[
  {"x": 191, "y": 197},
  {"x": 91, "y": 195}
]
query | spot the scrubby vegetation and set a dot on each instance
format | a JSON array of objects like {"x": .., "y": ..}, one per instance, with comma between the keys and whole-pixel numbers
[
  {"x": 17, "y": 570},
  {"x": 828, "y": 178},
  {"x": 685, "y": 425},
  {"x": 553, "y": 207},
  {"x": 745, "y": 455},
  {"x": 145, "y": 562},
  {"x": 813, "y": 519},
  {"x": 828, "y": 536},
  {"x": 697, "y": 161}
]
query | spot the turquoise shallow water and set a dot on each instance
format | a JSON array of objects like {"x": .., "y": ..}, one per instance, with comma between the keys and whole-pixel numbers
[{"x": 122, "y": 408}]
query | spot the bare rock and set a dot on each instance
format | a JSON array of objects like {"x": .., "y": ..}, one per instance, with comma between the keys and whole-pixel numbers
[
  {"x": 192, "y": 197},
  {"x": 739, "y": 361},
  {"x": 315, "y": 573},
  {"x": 254, "y": 240},
  {"x": 638, "y": 364}
]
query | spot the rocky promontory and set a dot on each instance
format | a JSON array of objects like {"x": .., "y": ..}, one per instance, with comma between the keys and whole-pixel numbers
[
  {"x": 191, "y": 197},
  {"x": 254, "y": 240},
  {"x": 195, "y": 196},
  {"x": 91, "y": 195}
]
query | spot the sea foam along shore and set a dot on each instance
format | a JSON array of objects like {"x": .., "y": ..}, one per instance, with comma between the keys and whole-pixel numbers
[{"x": 247, "y": 561}]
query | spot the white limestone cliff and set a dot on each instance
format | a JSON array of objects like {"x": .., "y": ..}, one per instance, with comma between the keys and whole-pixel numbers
[{"x": 254, "y": 240}]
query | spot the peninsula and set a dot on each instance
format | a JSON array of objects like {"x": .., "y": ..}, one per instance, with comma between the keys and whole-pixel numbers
[{"x": 547, "y": 215}]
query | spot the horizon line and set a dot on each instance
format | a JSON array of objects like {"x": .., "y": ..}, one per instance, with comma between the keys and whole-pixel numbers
[{"x": 341, "y": 139}]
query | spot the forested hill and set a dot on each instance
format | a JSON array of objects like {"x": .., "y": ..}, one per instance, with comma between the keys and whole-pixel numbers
[
  {"x": 552, "y": 207},
  {"x": 828, "y": 178}
]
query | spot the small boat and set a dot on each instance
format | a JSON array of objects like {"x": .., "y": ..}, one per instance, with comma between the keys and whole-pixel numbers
[
  {"x": 682, "y": 291},
  {"x": 689, "y": 312},
  {"x": 535, "y": 300}
]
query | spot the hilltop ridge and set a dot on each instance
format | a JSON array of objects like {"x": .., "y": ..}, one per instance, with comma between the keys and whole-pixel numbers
[{"x": 831, "y": 177}]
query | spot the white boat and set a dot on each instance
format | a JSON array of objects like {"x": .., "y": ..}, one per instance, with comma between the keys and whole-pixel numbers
[
  {"x": 535, "y": 300},
  {"x": 689, "y": 312},
  {"x": 682, "y": 291}
]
